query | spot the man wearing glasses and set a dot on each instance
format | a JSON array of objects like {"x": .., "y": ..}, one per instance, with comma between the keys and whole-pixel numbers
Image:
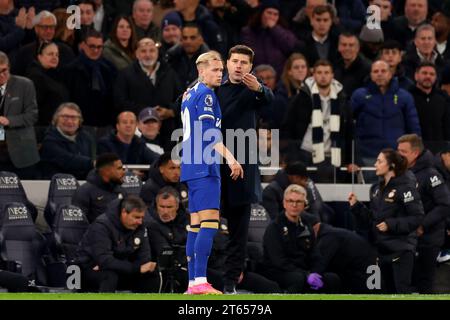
[
  {"x": 18, "y": 114},
  {"x": 102, "y": 186},
  {"x": 290, "y": 255},
  {"x": 67, "y": 148},
  {"x": 44, "y": 24},
  {"x": 90, "y": 80}
]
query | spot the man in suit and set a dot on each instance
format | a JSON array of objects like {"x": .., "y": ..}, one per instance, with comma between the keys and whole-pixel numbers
[{"x": 18, "y": 114}]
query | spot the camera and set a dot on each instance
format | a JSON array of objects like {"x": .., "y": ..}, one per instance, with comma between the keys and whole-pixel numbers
[
  {"x": 172, "y": 263},
  {"x": 172, "y": 257}
]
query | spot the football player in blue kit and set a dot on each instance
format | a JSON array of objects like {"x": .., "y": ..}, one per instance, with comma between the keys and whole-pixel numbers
[{"x": 200, "y": 167}]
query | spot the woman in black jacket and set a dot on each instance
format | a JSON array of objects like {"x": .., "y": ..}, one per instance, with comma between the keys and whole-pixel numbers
[
  {"x": 45, "y": 74},
  {"x": 391, "y": 222}
]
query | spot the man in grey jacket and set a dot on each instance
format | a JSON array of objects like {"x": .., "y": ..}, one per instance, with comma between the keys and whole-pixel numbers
[{"x": 18, "y": 114}]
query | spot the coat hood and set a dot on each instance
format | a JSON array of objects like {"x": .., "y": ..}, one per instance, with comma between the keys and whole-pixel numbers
[{"x": 425, "y": 160}]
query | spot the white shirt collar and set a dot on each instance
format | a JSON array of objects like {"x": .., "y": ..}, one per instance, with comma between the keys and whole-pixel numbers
[
  {"x": 3, "y": 88},
  {"x": 440, "y": 47},
  {"x": 152, "y": 75},
  {"x": 319, "y": 40},
  {"x": 98, "y": 18},
  {"x": 433, "y": 57}
]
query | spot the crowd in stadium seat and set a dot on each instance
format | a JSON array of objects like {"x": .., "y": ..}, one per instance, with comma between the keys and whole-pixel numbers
[{"x": 85, "y": 101}]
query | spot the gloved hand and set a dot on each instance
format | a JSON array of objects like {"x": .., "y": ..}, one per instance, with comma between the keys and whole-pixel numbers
[{"x": 315, "y": 281}]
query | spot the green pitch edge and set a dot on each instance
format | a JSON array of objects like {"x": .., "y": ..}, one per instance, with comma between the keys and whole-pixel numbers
[{"x": 253, "y": 297}]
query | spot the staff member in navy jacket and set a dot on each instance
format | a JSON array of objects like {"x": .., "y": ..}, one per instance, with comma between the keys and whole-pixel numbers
[
  {"x": 395, "y": 213},
  {"x": 436, "y": 203}
]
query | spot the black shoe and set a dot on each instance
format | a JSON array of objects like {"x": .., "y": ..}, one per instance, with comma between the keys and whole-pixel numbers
[{"x": 229, "y": 288}]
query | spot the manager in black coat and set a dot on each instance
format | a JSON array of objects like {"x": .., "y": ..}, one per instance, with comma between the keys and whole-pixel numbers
[{"x": 240, "y": 96}]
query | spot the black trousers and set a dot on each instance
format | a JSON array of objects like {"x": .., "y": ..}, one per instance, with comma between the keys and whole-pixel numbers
[
  {"x": 251, "y": 281},
  {"x": 425, "y": 268},
  {"x": 238, "y": 218},
  {"x": 396, "y": 272},
  {"x": 175, "y": 281},
  {"x": 295, "y": 282},
  {"x": 110, "y": 281},
  {"x": 14, "y": 282}
]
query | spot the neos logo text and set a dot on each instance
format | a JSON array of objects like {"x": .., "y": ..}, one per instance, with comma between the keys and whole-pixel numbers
[
  {"x": 9, "y": 180},
  {"x": 66, "y": 182},
  {"x": 72, "y": 213},
  {"x": 18, "y": 210},
  {"x": 131, "y": 179}
]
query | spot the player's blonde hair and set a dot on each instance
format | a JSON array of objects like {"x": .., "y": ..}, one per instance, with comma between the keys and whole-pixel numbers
[{"x": 205, "y": 58}]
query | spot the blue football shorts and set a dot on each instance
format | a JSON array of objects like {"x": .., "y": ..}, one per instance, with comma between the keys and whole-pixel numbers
[{"x": 204, "y": 194}]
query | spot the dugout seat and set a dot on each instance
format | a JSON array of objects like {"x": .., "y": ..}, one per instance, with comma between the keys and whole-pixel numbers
[
  {"x": 69, "y": 227},
  {"x": 132, "y": 183},
  {"x": 11, "y": 190},
  {"x": 259, "y": 220},
  {"x": 61, "y": 190},
  {"x": 20, "y": 242}
]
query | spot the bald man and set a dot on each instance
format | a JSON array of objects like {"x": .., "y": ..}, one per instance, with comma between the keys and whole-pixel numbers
[
  {"x": 123, "y": 142},
  {"x": 148, "y": 82},
  {"x": 383, "y": 112}
]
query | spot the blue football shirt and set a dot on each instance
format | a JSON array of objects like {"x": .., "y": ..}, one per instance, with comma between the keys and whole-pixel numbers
[{"x": 201, "y": 116}]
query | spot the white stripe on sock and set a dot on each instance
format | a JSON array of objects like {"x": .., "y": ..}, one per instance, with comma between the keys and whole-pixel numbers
[{"x": 200, "y": 280}]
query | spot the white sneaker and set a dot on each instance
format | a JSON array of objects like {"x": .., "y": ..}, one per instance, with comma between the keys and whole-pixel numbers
[{"x": 443, "y": 256}]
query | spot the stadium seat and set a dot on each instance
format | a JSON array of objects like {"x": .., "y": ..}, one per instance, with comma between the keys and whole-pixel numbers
[
  {"x": 69, "y": 227},
  {"x": 259, "y": 220},
  {"x": 132, "y": 184},
  {"x": 20, "y": 242},
  {"x": 11, "y": 190},
  {"x": 62, "y": 187}
]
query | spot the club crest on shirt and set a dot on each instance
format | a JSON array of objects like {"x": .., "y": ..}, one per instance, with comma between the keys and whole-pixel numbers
[
  {"x": 392, "y": 194},
  {"x": 209, "y": 100}
]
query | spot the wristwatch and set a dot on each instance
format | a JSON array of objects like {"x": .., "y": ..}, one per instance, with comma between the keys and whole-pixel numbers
[{"x": 260, "y": 89}]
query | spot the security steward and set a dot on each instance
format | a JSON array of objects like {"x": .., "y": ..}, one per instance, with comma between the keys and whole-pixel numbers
[
  {"x": 289, "y": 248},
  {"x": 115, "y": 251},
  {"x": 435, "y": 197},
  {"x": 391, "y": 222}
]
